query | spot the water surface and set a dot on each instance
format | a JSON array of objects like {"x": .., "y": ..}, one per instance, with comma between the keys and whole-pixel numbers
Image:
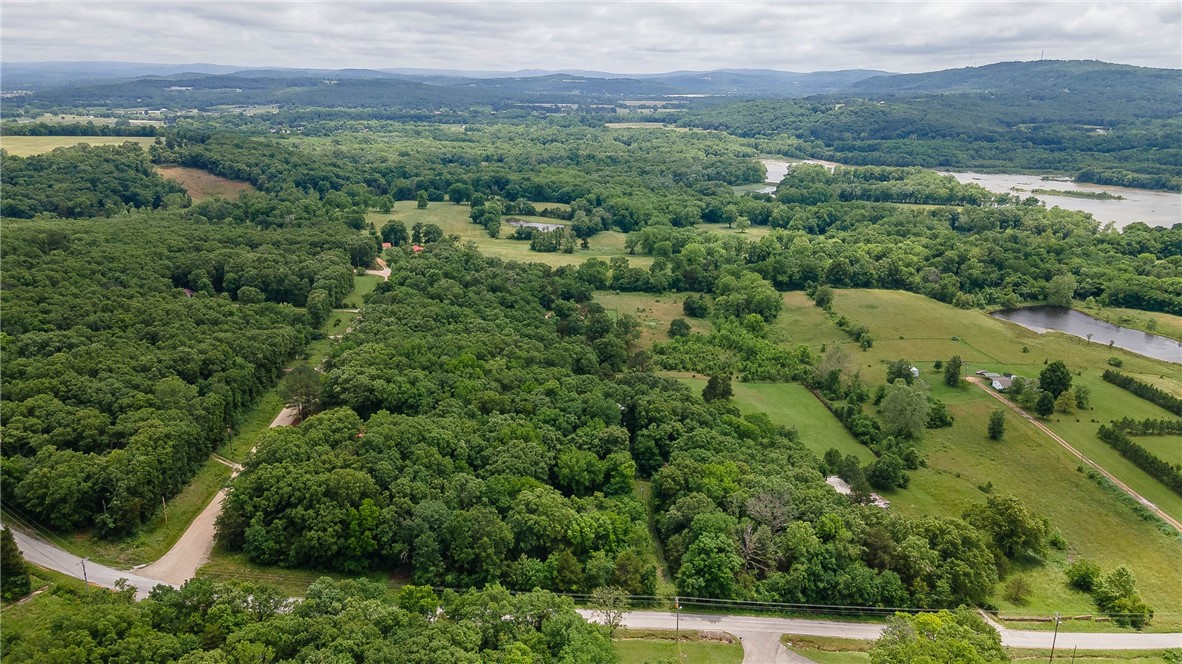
[{"x": 1043, "y": 318}]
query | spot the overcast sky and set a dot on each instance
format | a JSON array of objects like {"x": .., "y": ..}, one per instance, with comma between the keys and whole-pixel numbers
[{"x": 627, "y": 37}]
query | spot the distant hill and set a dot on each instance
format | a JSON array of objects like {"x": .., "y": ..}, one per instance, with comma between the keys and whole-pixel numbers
[
  {"x": 18, "y": 75},
  {"x": 763, "y": 82}
]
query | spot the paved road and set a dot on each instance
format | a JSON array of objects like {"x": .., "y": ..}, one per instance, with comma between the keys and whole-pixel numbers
[
  {"x": 761, "y": 635},
  {"x": 383, "y": 270},
  {"x": 42, "y": 553},
  {"x": 1055, "y": 437}
]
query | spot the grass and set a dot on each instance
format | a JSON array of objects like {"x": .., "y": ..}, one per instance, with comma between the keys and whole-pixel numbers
[
  {"x": 1165, "y": 325},
  {"x": 638, "y": 646},
  {"x": 792, "y": 405},
  {"x": 227, "y": 566},
  {"x": 653, "y": 313},
  {"x": 155, "y": 537},
  {"x": 201, "y": 185},
  {"x": 1026, "y": 463},
  {"x": 453, "y": 219},
  {"x": 255, "y": 423},
  {"x": 830, "y": 650},
  {"x": 24, "y": 146},
  {"x": 362, "y": 286}
]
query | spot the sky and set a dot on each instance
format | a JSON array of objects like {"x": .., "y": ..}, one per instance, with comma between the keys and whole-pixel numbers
[{"x": 624, "y": 37}]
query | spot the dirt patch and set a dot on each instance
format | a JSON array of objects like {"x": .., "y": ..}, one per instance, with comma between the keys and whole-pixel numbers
[{"x": 203, "y": 184}]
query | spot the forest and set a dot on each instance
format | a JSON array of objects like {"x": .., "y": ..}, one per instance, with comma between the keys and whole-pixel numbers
[{"x": 486, "y": 424}]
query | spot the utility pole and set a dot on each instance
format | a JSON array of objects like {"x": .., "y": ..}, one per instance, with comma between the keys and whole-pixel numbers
[
  {"x": 165, "y": 504},
  {"x": 84, "y": 577},
  {"x": 1055, "y": 638}
]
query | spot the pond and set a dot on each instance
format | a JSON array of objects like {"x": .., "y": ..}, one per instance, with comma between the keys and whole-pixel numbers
[
  {"x": 521, "y": 223},
  {"x": 1043, "y": 318}
]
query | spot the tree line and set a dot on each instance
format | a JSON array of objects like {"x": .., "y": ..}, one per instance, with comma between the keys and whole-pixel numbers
[
  {"x": 1169, "y": 474},
  {"x": 1151, "y": 393}
]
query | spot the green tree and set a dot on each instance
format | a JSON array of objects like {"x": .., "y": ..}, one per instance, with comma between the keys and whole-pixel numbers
[
  {"x": 887, "y": 472},
  {"x": 459, "y": 193},
  {"x": 952, "y": 370},
  {"x": 1083, "y": 574},
  {"x": 823, "y": 297},
  {"x": 678, "y": 327},
  {"x": 960, "y": 637},
  {"x": 394, "y": 232},
  {"x": 1013, "y": 529},
  {"x": 610, "y": 605},
  {"x": 997, "y": 424},
  {"x": 302, "y": 389},
  {"x": 1045, "y": 405},
  {"x": 14, "y": 574},
  {"x": 899, "y": 369},
  {"x": 742, "y": 224},
  {"x": 251, "y": 295},
  {"x": 905, "y": 409},
  {"x": 1060, "y": 290},
  {"x": 717, "y": 387},
  {"x": 709, "y": 566},
  {"x": 421, "y": 200},
  {"x": 1055, "y": 378}
]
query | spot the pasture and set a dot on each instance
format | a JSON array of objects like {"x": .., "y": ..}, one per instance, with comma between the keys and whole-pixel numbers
[
  {"x": 201, "y": 184},
  {"x": 453, "y": 219},
  {"x": 24, "y": 146},
  {"x": 653, "y": 312}
]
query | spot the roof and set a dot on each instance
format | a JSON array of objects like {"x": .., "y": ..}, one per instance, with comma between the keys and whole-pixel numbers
[{"x": 386, "y": 245}]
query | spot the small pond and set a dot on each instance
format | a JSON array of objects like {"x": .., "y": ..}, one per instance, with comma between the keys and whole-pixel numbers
[
  {"x": 520, "y": 223},
  {"x": 1043, "y": 318}
]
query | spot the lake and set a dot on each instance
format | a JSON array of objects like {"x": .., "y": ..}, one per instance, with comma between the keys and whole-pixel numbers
[
  {"x": 1043, "y": 318},
  {"x": 1156, "y": 208}
]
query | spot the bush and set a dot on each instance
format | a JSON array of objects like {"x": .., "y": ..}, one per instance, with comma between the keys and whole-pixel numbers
[
  {"x": 1082, "y": 574},
  {"x": 1017, "y": 590}
]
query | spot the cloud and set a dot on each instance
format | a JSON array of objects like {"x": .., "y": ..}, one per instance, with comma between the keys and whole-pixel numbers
[{"x": 627, "y": 37}]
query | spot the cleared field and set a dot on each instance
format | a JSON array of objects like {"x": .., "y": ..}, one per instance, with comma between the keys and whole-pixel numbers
[
  {"x": 792, "y": 405},
  {"x": 362, "y": 286},
  {"x": 453, "y": 219},
  {"x": 640, "y": 646},
  {"x": 1026, "y": 463},
  {"x": 24, "y": 146},
  {"x": 654, "y": 313},
  {"x": 202, "y": 184}
]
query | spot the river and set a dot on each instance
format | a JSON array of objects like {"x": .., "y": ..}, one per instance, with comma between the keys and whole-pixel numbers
[
  {"x": 1156, "y": 208},
  {"x": 1043, "y": 318}
]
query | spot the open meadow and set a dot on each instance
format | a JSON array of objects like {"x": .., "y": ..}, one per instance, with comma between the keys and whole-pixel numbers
[
  {"x": 23, "y": 146},
  {"x": 653, "y": 312},
  {"x": 201, "y": 185},
  {"x": 453, "y": 219}
]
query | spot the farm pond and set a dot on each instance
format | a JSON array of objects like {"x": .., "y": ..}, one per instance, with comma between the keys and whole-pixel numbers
[{"x": 1044, "y": 318}]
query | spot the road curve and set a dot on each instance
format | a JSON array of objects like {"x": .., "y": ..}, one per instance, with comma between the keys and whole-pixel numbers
[
  {"x": 1055, "y": 437},
  {"x": 43, "y": 554}
]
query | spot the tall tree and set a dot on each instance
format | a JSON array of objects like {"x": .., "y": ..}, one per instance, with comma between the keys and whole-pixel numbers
[
  {"x": 1055, "y": 378},
  {"x": 997, "y": 424},
  {"x": 952, "y": 371},
  {"x": 14, "y": 574},
  {"x": 302, "y": 389},
  {"x": 905, "y": 409}
]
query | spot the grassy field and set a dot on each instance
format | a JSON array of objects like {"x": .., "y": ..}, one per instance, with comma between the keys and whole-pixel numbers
[
  {"x": 201, "y": 185},
  {"x": 1025, "y": 463},
  {"x": 226, "y": 566},
  {"x": 361, "y": 287},
  {"x": 639, "y": 646},
  {"x": 791, "y": 405},
  {"x": 1164, "y": 325},
  {"x": 29, "y": 145},
  {"x": 654, "y": 313},
  {"x": 453, "y": 219}
]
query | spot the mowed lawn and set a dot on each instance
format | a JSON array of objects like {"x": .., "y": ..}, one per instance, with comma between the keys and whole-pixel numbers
[
  {"x": 641, "y": 646},
  {"x": 454, "y": 220},
  {"x": 362, "y": 285},
  {"x": 654, "y": 312},
  {"x": 24, "y": 146}
]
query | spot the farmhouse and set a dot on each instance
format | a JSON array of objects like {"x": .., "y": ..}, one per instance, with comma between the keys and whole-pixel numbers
[{"x": 998, "y": 381}]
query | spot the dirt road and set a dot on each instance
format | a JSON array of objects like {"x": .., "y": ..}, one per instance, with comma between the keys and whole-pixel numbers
[
  {"x": 383, "y": 270},
  {"x": 1055, "y": 437},
  {"x": 191, "y": 551}
]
